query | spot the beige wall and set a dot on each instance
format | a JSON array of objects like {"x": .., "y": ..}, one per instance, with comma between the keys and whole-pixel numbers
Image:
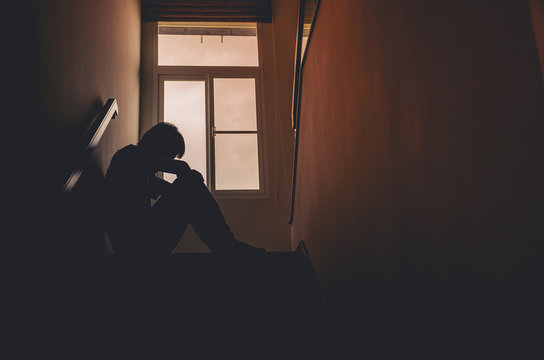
[
  {"x": 90, "y": 51},
  {"x": 420, "y": 161},
  {"x": 76, "y": 55}
]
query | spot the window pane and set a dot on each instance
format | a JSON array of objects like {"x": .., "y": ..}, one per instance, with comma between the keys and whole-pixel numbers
[
  {"x": 235, "y": 107},
  {"x": 185, "y": 107},
  {"x": 236, "y": 162},
  {"x": 208, "y": 44}
]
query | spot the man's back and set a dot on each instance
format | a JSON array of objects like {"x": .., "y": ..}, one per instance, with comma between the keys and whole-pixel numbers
[{"x": 127, "y": 198}]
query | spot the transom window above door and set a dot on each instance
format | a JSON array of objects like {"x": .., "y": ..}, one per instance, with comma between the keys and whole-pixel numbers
[{"x": 207, "y": 44}]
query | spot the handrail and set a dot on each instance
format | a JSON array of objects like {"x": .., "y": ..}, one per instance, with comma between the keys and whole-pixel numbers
[
  {"x": 297, "y": 95},
  {"x": 91, "y": 139}
]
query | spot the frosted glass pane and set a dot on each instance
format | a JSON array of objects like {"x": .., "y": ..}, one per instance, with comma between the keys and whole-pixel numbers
[
  {"x": 208, "y": 50},
  {"x": 236, "y": 162},
  {"x": 185, "y": 106},
  {"x": 235, "y": 104}
]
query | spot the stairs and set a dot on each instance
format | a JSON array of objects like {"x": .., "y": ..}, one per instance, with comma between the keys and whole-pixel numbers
[{"x": 191, "y": 306}]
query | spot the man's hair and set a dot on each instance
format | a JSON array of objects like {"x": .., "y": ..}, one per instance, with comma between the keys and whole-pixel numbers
[{"x": 164, "y": 138}]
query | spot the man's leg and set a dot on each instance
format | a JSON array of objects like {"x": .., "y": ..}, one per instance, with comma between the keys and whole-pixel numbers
[
  {"x": 169, "y": 220},
  {"x": 193, "y": 202}
]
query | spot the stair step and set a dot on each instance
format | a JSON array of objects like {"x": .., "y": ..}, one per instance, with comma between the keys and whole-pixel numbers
[{"x": 190, "y": 300}]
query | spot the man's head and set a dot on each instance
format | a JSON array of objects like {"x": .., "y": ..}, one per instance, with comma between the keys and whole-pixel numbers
[{"x": 163, "y": 141}]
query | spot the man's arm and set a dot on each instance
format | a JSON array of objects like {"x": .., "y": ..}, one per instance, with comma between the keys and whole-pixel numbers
[
  {"x": 181, "y": 169},
  {"x": 178, "y": 167},
  {"x": 157, "y": 187}
]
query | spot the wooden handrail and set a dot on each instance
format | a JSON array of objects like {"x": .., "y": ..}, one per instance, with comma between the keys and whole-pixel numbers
[{"x": 91, "y": 139}]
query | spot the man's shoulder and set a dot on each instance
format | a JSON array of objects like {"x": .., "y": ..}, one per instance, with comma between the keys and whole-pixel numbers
[
  {"x": 129, "y": 149},
  {"x": 125, "y": 159},
  {"x": 128, "y": 152}
]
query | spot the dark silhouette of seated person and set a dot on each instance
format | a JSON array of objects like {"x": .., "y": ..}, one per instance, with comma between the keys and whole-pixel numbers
[{"x": 135, "y": 226}]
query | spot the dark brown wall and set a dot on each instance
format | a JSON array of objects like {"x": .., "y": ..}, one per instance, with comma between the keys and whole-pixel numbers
[
  {"x": 421, "y": 154},
  {"x": 537, "y": 16}
]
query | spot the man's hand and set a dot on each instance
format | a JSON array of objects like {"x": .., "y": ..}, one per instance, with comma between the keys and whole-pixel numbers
[
  {"x": 181, "y": 169},
  {"x": 172, "y": 166}
]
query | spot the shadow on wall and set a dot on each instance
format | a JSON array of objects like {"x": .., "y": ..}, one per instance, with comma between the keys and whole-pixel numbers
[
  {"x": 75, "y": 222},
  {"x": 79, "y": 216}
]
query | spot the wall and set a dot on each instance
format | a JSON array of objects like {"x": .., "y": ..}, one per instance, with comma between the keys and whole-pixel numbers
[
  {"x": 419, "y": 186},
  {"x": 78, "y": 54},
  {"x": 537, "y": 16},
  {"x": 90, "y": 51}
]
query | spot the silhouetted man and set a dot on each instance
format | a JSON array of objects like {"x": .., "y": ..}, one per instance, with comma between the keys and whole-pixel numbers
[{"x": 134, "y": 226}]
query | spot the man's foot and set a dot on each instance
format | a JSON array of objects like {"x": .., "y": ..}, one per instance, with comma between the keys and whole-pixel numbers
[{"x": 246, "y": 248}]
